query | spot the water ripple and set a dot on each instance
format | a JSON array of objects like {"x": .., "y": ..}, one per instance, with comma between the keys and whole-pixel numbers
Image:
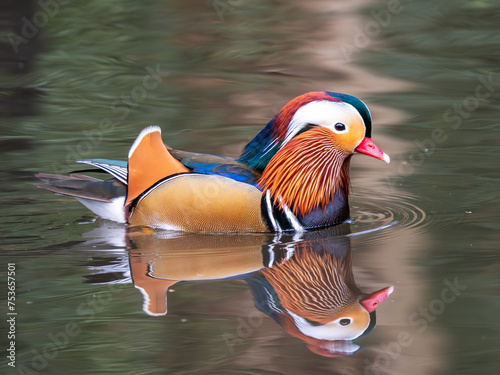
[{"x": 370, "y": 215}]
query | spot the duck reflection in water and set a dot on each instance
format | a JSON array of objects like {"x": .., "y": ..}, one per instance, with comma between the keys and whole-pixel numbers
[
  {"x": 306, "y": 285},
  {"x": 311, "y": 293}
]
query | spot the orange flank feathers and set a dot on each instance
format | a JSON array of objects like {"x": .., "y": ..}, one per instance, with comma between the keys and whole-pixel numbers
[{"x": 148, "y": 162}]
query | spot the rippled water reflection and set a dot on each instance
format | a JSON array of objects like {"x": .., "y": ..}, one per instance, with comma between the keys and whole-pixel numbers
[
  {"x": 380, "y": 214},
  {"x": 427, "y": 223},
  {"x": 306, "y": 285}
]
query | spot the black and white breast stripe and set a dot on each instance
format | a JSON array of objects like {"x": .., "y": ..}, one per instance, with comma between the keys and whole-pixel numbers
[{"x": 277, "y": 219}]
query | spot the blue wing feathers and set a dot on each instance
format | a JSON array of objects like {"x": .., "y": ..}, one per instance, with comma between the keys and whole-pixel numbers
[{"x": 198, "y": 163}]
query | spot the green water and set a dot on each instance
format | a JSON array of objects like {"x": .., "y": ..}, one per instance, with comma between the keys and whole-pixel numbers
[{"x": 211, "y": 73}]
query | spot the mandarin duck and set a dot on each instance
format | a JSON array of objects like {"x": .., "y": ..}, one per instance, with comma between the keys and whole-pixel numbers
[
  {"x": 313, "y": 296},
  {"x": 293, "y": 176}
]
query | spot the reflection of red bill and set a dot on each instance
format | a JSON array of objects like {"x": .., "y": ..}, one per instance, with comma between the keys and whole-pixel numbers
[
  {"x": 371, "y": 302},
  {"x": 368, "y": 147}
]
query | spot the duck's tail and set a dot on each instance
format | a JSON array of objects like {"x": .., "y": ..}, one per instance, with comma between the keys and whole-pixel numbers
[
  {"x": 149, "y": 161},
  {"x": 104, "y": 198}
]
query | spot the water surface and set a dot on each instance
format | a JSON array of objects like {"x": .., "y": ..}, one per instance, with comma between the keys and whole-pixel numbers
[{"x": 211, "y": 74}]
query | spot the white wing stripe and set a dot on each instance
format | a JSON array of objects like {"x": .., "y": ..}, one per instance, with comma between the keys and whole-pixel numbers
[{"x": 117, "y": 172}]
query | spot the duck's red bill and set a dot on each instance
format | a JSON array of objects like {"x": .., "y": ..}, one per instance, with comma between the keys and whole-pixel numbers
[
  {"x": 368, "y": 147},
  {"x": 371, "y": 302}
]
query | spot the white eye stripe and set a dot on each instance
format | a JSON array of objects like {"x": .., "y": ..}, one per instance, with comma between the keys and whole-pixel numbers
[{"x": 321, "y": 113}]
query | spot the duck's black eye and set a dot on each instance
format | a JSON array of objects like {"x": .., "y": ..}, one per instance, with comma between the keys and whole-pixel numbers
[
  {"x": 340, "y": 127},
  {"x": 345, "y": 322}
]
